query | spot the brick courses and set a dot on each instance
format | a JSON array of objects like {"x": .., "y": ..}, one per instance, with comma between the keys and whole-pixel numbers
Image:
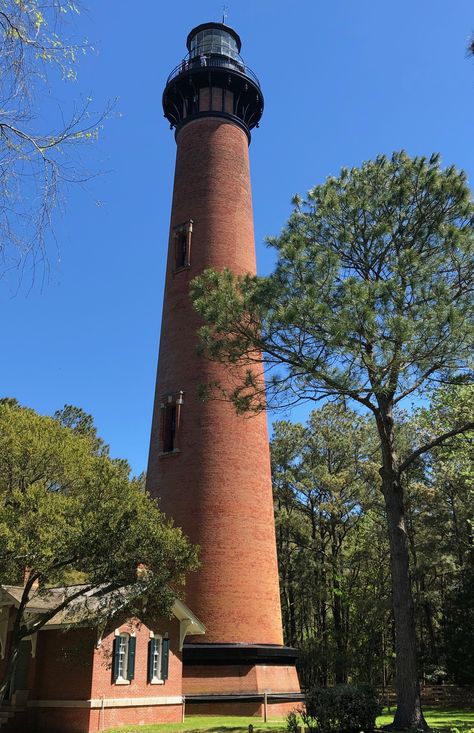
[
  {"x": 252, "y": 709},
  {"x": 239, "y": 678},
  {"x": 218, "y": 487}
]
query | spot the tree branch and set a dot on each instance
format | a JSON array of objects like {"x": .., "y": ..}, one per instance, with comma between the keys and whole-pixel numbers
[{"x": 433, "y": 443}]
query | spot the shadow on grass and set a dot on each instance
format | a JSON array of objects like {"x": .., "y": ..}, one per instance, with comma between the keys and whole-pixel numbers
[
  {"x": 440, "y": 721},
  {"x": 221, "y": 729},
  {"x": 242, "y": 727}
]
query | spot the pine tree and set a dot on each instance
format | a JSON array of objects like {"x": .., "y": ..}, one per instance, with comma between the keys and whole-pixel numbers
[{"x": 371, "y": 301}]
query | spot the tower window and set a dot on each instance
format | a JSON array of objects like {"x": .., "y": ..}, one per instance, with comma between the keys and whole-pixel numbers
[
  {"x": 182, "y": 245},
  {"x": 170, "y": 422},
  {"x": 169, "y": 428}
]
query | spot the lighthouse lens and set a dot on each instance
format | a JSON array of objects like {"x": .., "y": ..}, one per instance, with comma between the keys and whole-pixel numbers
[{"x": 214, "y": 41}]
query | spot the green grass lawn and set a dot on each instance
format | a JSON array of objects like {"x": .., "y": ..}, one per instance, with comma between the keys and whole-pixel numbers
[
  {"x": 462, "y": 720},
  {"x": 207, "y": 724}
]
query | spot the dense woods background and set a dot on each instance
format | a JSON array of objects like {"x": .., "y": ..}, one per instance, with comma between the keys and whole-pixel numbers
[{"x": 333, "y": 547}]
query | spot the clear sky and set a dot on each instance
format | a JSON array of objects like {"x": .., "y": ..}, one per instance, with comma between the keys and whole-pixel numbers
[{"x": 343, "y": 81}]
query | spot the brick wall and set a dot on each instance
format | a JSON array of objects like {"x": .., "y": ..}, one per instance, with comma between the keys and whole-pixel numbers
[
  {"x": 70, "y": 668},
  {"x": 102, "y": 683},
  {"x": 275, "y": 710},
  {"x": 239, "y": 679},
  {"x": 64, "y": 665},
  {"x": 219, "y": 679},
  {"x": 218, "y": 487},
  {"x": 55, "y": 720}
]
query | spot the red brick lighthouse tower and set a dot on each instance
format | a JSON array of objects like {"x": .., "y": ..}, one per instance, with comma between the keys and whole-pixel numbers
[{"x": 209, "y": 467}]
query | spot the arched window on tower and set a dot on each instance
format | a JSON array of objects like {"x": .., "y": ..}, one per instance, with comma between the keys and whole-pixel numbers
[
  {"x": 182, "y": 245},
  {"x": 171, "y": 405}
]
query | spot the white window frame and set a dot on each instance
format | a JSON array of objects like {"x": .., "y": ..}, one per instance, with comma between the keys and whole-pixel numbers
[
  {"x": 123, "y": 653},
  {"x": 156, "y": 679}
]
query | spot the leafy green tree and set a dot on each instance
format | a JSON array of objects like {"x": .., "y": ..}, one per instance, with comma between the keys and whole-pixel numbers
[
  {"x": 446, "y": 533},
  {"x": 291, "y": 527},
  {"x": 66, "y": 508},
  {"x": 439, "y": 513},
  {"x": 371, "y": 301},
  {"x": 81, "y": 422},
  {"x": 323, "y": 488},
  {"x": 449, "y": 468},
  {"x": 458, "y": 629}
]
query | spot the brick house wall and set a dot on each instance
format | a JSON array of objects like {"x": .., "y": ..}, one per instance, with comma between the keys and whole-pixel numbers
[
  {"x": 64, "y": 661},
  {"x": 72, "y": 687}
]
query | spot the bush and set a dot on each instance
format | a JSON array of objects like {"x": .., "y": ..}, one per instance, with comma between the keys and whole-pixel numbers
[
  {"x": 292, "y": 721},
  {"x": 341, "y": 709}
]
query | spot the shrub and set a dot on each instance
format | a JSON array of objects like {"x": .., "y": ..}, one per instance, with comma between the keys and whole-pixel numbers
[
  {"x": 292, "y": 721},
  {"x": 341, "y": 709}
]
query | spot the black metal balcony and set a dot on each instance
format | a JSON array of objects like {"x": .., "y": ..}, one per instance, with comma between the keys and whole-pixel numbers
[
  {"x": 222, "y": 62},
  {"x": 225, "y": 79}
]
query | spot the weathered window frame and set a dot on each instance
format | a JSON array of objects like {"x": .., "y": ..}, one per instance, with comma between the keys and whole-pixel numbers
[{"x": 182, "y": 236}]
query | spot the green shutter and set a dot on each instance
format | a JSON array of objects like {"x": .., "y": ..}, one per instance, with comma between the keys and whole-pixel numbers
[
  {"x": 165, "y": 658},
  {"x": 132, "y": 643},
  {"x": 151, "y": 652},
  {"x": 115, "y": 666}
]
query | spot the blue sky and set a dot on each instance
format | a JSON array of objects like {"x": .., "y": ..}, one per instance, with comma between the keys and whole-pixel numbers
[{"x": 343, "y": 81}]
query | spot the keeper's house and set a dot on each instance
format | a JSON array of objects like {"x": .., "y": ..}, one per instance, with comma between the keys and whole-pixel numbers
[{"x": 77, "y": 677}]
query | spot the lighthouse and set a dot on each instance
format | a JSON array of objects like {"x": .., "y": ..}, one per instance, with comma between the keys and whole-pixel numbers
[{"x": 208, "y": 466}]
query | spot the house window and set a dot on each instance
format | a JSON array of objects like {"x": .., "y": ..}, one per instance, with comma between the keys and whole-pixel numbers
[
  {"x": 158, "y": 659},
  {"x": 170, "y": 422},
  {"x": 124, "y": 658},
  {"x": 182, "y": 245},
  {"x": 123, "y": 646},
  {"x": 154, "y": 659}
]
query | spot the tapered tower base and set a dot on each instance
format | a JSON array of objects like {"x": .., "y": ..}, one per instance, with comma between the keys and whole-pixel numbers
[
  {"x": 240, "y": 679},
  {"x": 268, "y": 706}
]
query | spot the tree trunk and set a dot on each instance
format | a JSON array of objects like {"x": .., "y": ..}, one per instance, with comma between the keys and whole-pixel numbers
[
  {"x": 19, "y": 631},
  {"x": 339, "y": 667},
  {"x": 9, "y": 673},
  {"x": 340, "y": 672},
  {"x": 409, "y": 713}
]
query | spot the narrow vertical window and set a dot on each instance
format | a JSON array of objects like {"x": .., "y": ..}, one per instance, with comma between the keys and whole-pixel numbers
[
  {"x": 182, "y": 245},
  {"x": 181, "y": 248},
  {"x": 154, "y": 659},
  {"x": 170, "y": 422},
  {"x": 169, "y": 429},
  {"x": 124, "y": 658}
]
